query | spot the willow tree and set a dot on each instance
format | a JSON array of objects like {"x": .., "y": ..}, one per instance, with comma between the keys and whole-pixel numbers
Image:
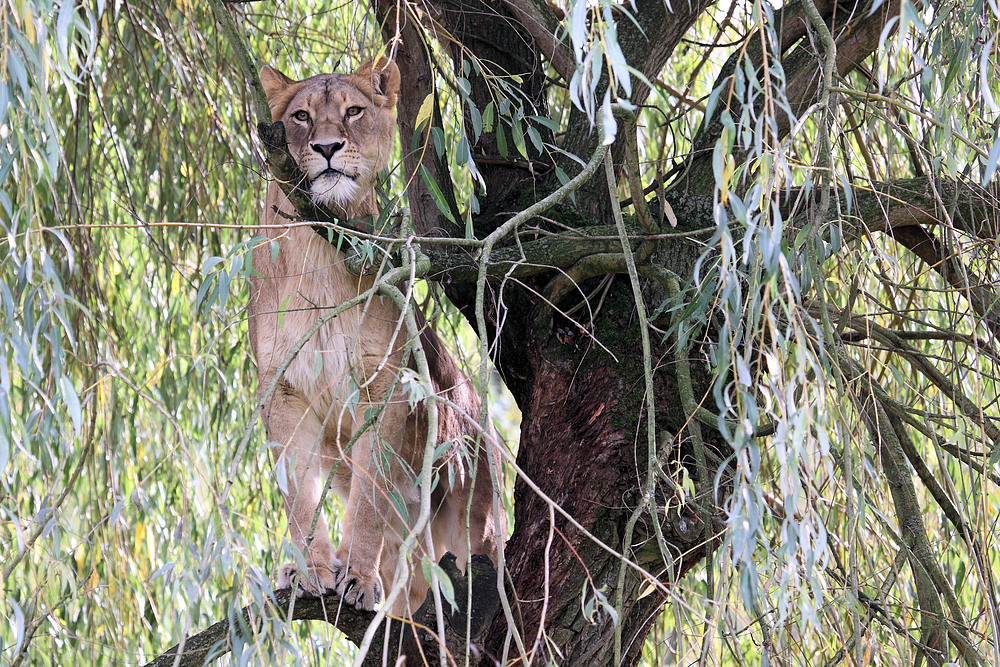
[{"x": 736, "y": 263}]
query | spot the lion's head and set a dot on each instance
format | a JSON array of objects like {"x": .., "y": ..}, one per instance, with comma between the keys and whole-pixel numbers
[{"x": 339, "y": 127}]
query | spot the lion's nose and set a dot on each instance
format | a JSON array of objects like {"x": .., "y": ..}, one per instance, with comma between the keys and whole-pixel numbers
[{"x": 328, "y": 150}]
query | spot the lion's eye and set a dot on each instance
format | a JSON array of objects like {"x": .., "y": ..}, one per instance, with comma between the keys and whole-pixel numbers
[
  {"x": 354, "y": 111},
  {"x": 301, "y": 116}
]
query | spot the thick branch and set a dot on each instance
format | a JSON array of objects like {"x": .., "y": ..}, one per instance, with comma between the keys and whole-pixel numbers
[
  {"x": 243, "y": 60},
  {"x": 541, "y": 23},
  {"x": 894, "y": 204},
  {"x": 215, "y": 641},
  {"x": 529, "y": 258}
]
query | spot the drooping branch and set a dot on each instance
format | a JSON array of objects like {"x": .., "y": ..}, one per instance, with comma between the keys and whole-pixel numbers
[
  {"x": 931, "y": 585},
  {"x": 244, "y": 61},
  {"x": 921, "y": 364},
  {"x": 857, "y": 37},
  {"x": 412, "y": 638}
]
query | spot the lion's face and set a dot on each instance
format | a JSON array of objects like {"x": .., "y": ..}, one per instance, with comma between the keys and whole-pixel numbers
[{"x": 339, "y": 127}]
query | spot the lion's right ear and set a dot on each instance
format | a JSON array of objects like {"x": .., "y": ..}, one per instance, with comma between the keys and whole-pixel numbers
[
  {"x": 278, "y": 88},
  {"x": 273, "y": 81}
]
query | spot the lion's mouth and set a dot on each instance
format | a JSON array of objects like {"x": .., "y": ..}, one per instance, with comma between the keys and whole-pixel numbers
[
  {"x": 332, "y": 187},
  {"x": 330, "y": 171}
]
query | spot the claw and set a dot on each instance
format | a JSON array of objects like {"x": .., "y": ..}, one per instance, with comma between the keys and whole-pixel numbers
[
  {"x": 317, "y": 581},
  {"x": 359, "y": 590}
]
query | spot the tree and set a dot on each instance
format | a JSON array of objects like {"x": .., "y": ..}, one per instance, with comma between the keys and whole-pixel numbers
[{"x": 737, "y": 265}]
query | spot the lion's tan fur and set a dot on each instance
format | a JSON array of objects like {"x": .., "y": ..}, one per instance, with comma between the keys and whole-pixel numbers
[{"x": 310, "y": 414}]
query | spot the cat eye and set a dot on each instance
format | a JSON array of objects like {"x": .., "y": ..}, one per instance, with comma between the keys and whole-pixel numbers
[
  {"x": 301, "y": 116},
  {"x": 354, "y": 111}
]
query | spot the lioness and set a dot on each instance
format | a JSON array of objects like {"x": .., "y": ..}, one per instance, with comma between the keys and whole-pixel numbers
[{"x": 340, "y": 131}]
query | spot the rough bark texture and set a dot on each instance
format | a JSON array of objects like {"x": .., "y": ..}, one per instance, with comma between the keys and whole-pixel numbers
[
  {"x": 583, "y": 439},
  {"x": 578, "y": 439}
]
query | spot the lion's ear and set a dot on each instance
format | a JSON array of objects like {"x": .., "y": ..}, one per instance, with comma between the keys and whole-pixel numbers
[
  {"x": 382, "y": 75},
  {"x": 279, "y": 90},
  {"x": 273, "y": 81}
]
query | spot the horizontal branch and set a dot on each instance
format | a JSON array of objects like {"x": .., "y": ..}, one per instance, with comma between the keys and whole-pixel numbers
[
  {"x": 411, "y": 638},
  {"x": 215, "y": 641},
  {"x": 913, "y": 201},
  {"x": 558, "y": 251}
]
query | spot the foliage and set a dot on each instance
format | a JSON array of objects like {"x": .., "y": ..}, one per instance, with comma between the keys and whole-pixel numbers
[{"x": 137, "y": 494}]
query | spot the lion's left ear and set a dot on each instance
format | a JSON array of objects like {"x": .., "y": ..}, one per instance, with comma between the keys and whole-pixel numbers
[{"x": 382, "y": 75}]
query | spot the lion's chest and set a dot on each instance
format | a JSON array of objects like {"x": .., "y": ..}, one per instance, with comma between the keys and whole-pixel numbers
[{"x": 302, "y": 328}]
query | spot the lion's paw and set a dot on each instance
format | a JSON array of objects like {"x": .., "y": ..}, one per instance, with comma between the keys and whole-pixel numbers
[
  {"x": 318, "y": 580},
  {"x": 358, "y": 589}
]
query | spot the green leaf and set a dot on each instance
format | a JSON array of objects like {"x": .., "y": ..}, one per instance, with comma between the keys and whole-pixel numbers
[
  {"x": 436, "y": 194},
  {"x": 476, "y": 119},
  {"x": 462, "y": 151},
  {"x": 518, "y": 135},
  {"x": 72, "y": 401},
  {"x": 444, "y": 581},
  {"x": 501, "y": 141},
  {"x": 547, "y": 122},
  {"x": 536, "y": 139},
  {"x": 283, "y": 309},
  {"x": 488, "y": 113},
  {"x": 438, "y": 135},
  {"x": 400, "y": 505}
]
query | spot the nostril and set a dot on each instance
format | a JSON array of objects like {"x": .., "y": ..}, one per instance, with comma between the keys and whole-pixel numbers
[{"x": 328, "y": 150}]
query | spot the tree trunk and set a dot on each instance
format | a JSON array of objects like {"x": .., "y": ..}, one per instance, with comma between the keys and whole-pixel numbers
[
  {"x": 583, "y": 444},
  {"x": 583, "y": 435}
]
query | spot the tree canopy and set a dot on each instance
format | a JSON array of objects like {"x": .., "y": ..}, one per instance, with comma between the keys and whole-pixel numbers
[{"x": 726, "y": 273}]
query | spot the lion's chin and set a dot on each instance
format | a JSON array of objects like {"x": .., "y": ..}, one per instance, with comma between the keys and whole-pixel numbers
[{"x": 334, "y": 190}]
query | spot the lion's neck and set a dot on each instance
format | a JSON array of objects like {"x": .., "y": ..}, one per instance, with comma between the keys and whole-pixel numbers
[{"x": 279, "y": 214}]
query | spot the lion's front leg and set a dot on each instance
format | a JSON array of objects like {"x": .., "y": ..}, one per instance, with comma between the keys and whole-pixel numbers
[
  {"x": 371, "y": 523},
  {"x": 360, "y": 550},
  {"x": 301, "y": 505},
  {"x": 303, "y": 462}
]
